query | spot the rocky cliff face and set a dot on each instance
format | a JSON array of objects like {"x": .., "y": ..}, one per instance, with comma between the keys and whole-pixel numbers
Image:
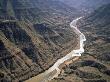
[
  {"x": 33, "y": 35},
  {"x": 94, "y": 64}
]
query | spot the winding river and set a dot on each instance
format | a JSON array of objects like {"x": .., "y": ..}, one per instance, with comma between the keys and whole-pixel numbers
[{"x": 54, "y": 71}]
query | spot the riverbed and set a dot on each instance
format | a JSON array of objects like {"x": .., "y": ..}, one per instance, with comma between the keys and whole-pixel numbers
[{"x": 55, "y": 70}]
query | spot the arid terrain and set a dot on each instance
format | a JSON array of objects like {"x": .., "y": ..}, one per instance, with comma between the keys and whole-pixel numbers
[{"x": 34, "y": 34}]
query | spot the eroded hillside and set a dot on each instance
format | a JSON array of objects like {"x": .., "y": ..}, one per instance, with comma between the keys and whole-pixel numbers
[{"x": 33, "y": 35}]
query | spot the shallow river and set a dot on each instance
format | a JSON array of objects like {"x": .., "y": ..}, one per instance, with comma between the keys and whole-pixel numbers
[{"x": 54, "y": 71}]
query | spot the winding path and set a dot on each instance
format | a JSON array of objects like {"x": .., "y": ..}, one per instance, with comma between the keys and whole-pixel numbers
[{"x": 54, "y": 71}]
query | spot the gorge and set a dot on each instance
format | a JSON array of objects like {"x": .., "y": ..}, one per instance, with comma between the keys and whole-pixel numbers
[{"x": 47, "y": 75}]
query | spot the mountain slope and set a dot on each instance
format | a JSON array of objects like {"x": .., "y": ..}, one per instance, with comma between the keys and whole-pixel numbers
[
  {"x": 94, "y": 64},
  {"x": 33, "y": 9},
  {"x": 86, "y": 5},
  {"x": 33, "y": 35},
  {"x": 98, "y": 22}
]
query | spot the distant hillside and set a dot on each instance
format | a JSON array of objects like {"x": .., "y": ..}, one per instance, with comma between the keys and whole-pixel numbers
[
  {"x": 86, "y": 5},
  {"x": 94, "y": 64},
  {"x": 36, "y": 11}
]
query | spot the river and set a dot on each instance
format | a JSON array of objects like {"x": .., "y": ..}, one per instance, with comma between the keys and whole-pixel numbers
[{"x": 54, "y": 71}]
